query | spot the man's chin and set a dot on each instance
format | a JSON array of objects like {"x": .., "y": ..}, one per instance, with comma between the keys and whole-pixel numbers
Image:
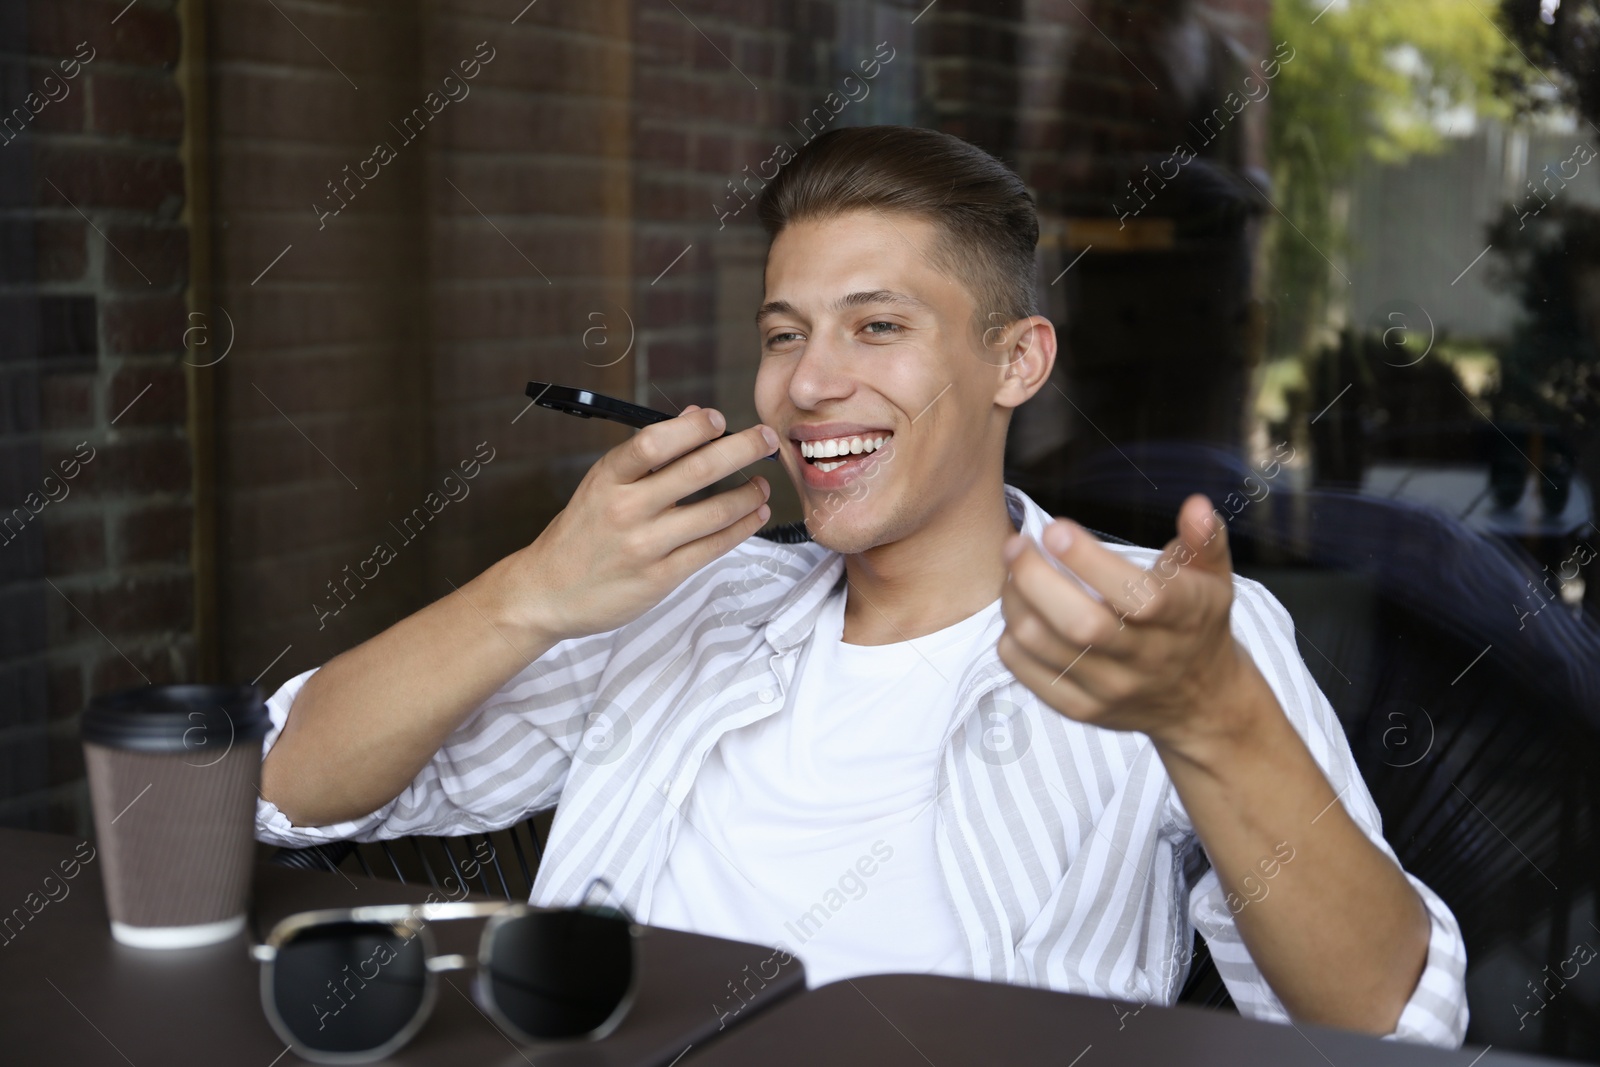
[{"x": 849, "y": 534}]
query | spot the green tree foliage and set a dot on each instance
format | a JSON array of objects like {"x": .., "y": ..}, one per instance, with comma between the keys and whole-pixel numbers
[{"x": 1370, "y": 80}]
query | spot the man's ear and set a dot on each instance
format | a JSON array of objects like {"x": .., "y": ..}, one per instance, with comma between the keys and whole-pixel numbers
[{"x": 1026, "y": 354}]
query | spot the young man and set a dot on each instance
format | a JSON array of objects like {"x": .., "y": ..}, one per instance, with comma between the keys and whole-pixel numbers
[{"x": 912, "y": 743}]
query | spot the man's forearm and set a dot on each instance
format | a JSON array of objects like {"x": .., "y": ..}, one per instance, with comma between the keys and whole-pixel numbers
[
  {"x": 372, "y": 717},
  {"x": 1336, "y": 929}
]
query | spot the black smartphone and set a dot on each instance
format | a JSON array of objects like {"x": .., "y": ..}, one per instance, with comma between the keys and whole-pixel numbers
[{"x": 591, "y": 405}]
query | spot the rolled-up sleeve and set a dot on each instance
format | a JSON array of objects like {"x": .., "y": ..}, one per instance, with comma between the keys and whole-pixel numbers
[
  {"x": 508, "y": 758},
  {"x": 1436, "y": 1012}
]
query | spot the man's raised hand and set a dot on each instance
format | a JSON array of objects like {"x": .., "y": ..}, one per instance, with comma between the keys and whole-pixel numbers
[
  {"x": 1153, "y": 654},
  {"x": 623, "y": 542}
]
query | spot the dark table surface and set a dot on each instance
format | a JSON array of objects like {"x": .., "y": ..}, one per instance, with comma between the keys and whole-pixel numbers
[
  {"x": 69, "y": 994},
  {"x": 905, "y": 1020}
]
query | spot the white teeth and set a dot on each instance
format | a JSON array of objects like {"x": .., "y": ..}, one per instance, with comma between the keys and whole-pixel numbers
[
  {"x": 840, "y": 446},
  {"x": 825, "y": 467}
]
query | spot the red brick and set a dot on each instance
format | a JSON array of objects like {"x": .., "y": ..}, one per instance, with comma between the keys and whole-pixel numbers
[
  {"x": 757, "y": 58},
  {"x": 537, "y": 188},
  {"x": 72, "y": 543},
  {"x": 66, "y": 401},
  {"x": 160, "y": 533},
  {"x": 60, "y": 253},
  {"x": 507, "y": 311},
  {"x": 307, "y": 387},
  {"x": 363, "y": 41},
  {"x": 143, "y": 34},
  {"x": 675, "y": 307},
  {"x": 65, "y": 690},
  {"x": 263, "y": 524},
  {"x": 264, "y": 178},
  {"x": 714, "y": 153},
  {"x": 602, "y": 19},
  {"x": 464, "y": 248},
  {"x": 661, "y": 200},
  {"x": 669, "y": 96},
  {"x": 665, "y": 42},
  {"x": 581, "y": 66},
  {"x": 131, "y": 468},
  {"x": 664, "y": 149},
  {"x": 654, "y": 251},
  {"x": 713, "y": 49},
  {"x": 273, "y": 104},
  {"x": 123, "y": 609},
  {"x": 292, "y": 589},
  {"x": 136, "y": 325},
  {"x": 681, "y": 360},
  {"x": 40, "y": 250},
  {"x": 140, "y": 105},
  {"x": 340, "y": 450},
  {"x": 106, "y": 177},
  {"x": 57, "y": 106},
  {"x": 140, "y": 258},
  {"x": 523, "y": 123},
  {"x": 164, "y": 403},
  {"x": 324, "y": 317},
  {"x": 165, "y": 663}
]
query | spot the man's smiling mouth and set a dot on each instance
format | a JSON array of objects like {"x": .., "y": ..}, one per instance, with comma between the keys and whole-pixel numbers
[{"x": 821, "y": 453}]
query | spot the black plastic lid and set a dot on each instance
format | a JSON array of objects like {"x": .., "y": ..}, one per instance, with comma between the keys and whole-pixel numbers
[{"x": 197, "y": 719}]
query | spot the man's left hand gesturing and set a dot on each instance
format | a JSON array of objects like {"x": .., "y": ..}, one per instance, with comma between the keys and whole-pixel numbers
[
  {"x": 1153, "y": 654},
  {"x": 1344, "y": 938}
]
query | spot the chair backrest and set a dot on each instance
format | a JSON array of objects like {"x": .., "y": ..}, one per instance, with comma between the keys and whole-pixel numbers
[{"x": 501, "y": 863}]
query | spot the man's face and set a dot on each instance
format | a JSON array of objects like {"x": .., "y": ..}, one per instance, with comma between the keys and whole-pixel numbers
[{"x": 864, "y": 341}]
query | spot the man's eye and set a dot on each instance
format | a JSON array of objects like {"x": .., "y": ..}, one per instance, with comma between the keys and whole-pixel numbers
[
  {"x": 779, "y": 338},
  {"x": 893, "y": 327}
]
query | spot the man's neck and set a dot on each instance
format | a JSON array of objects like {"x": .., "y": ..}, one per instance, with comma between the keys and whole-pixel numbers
[{"x": 943, "y": 573}]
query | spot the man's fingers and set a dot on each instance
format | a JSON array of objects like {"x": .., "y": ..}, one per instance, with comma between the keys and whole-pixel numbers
[
  {"x": 711, "y": 462},
  {"x": 1075, "y": 617},
  {"x": 689, "y": 522},
  {"x": 1204, "y": 536},
  {"x": 696, "y": 554},
  {"x": 1117, "y": 580},
  {"x": 661, "y": 443}
]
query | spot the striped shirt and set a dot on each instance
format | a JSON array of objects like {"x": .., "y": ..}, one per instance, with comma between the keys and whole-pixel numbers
[{"x": 1068, "y": 857}]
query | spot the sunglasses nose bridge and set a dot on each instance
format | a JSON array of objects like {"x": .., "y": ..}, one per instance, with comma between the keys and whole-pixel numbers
[{"x": 453, "y": 961}]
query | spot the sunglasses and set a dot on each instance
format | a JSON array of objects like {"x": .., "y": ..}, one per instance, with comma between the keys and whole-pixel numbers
[{"x": 352, "y": 985}]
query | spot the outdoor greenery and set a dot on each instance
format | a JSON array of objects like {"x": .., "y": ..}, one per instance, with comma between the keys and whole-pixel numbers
[{"x": 1371, "y": 80}]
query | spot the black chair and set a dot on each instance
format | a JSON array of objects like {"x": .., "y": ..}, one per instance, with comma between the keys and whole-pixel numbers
[{"x": 501, "y": 863}]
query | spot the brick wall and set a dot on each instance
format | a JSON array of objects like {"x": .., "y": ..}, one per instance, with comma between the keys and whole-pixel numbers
[
  {"x": 96, "y": 587},
  {"x": 323, "y": 414},
  {"x": 557, "y": 214},
  {"x": 568, "y": 205},
  {"x": 391, "y": 342}
]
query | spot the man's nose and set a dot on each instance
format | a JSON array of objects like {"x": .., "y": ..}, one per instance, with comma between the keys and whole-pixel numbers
[{"x": 823, "y": 372}]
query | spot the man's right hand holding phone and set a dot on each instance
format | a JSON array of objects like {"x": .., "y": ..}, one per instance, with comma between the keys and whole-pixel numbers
[
  {"x": 624, "y": 542},
  {"x": 372, "y": 717}
]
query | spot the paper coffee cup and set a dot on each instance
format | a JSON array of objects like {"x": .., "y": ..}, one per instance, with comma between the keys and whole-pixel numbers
[{"x": 173, "y": 778}]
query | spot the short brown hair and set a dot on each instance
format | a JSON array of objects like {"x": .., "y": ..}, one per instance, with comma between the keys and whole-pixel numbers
[{"x": 982, "y": 208}]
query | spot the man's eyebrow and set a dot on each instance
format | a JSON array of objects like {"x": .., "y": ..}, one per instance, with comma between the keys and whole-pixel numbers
[{"x": 870, "y": 296}]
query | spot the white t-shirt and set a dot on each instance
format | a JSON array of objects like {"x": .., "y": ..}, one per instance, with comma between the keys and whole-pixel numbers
[{"x": 812, "y": 829}]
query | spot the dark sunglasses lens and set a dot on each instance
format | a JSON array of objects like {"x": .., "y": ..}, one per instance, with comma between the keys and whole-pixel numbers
[
  {"x": 349, "y": 987},
  {"x": 560, "y": 973}
]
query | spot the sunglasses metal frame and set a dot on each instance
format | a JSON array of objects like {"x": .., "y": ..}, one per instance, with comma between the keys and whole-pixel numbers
[{"x": 412, "y": 920}]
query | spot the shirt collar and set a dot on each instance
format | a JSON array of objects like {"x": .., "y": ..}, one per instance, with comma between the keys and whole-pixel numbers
[{"x": 795, "y": 615}]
